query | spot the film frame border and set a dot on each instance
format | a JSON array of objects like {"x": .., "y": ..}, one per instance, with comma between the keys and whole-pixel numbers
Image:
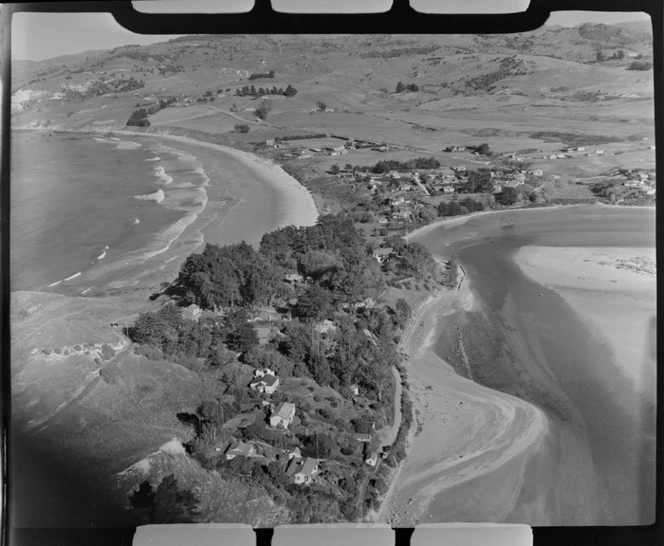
[{"x": 262, "y": 19}]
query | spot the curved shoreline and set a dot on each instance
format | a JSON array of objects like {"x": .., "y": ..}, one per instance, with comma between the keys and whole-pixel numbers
[
  {"x": 303, "y": 211},
  {"x": 291, "y": 202},
  {"x": 486, "y": 429},
  {"x": 530, "y": 477}
]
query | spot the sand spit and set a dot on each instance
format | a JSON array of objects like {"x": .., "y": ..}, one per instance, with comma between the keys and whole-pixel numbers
[
  {"x": 301, "y": 207},
  {"x": 466, "y": 430},
  {"x": 595, "y": 281}
]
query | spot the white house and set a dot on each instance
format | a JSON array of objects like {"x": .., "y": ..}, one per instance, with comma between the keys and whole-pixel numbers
[
  {"x": 283, "y": 415},
  {"x": 303, "y": 471},
  {"x": 265, "y": 381},
  {"x": 240, "y": 450},
  {"x": 372, "y": 459},
  {"x": 448, "y": 188},
  {"x": 381, "y": 254}
]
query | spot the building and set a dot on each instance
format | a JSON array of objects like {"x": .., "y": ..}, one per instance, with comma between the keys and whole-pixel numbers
[
  {"x": 294, "y": 453},
  {"x": 240, "y": 450},
  {"x": 447, "y": 188},
  {"x": 264, "y": 381},
  {"x": 283, "y": 415},
  {"x": 303, "y": 471},
  {"x": 355, "y": 390},
  {"x": 381, "y": 254},
  {"x": 293, "y": 278},
  {"x": 269, "y": 142},
  {"x": 372, "y": 459},
  {"x": 537, "y": 172},
  {"x": 193, "y": 312},
  {"x": 363, "y": 437}
]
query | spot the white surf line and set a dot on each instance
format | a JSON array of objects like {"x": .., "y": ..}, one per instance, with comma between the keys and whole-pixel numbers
[{"x": 73, "y": 276}]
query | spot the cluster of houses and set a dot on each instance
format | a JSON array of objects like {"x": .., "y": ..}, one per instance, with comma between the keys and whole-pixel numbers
[
  {"x": 300, "y": 469},
  {"x": 641, "y": 179},
  {"x": 570, "y": 152}
]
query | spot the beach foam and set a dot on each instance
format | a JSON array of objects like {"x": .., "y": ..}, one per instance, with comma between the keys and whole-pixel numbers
[
  {"x": 160, "y": 173},
  {"x": 128, "y": 145},
  {"x": 157, "y": 196}
]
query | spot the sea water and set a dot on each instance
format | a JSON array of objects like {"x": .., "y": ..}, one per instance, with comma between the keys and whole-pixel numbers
[{"x": 85, "y": 209}]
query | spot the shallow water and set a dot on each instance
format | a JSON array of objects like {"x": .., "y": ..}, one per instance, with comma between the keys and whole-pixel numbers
[{"x": 596, "y": 466}]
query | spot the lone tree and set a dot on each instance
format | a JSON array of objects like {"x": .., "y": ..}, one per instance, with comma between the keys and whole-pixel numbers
[
  {"x": 483, "y": 149},
  {"x": 241, "y": 128},
  {"x": 509, "y": 196},
  {"x": 264, "y": 109},
  {"x": 400, "y": 87},
  {"x": 321, "y": 105}
]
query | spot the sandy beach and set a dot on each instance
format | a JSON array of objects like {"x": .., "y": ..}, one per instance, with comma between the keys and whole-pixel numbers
[
  {"x": 301, "y": 209},
  {"x": 466, "y": 431},
  {"x": 598, "y": 281},
  {"x": 511, "y": 424}
]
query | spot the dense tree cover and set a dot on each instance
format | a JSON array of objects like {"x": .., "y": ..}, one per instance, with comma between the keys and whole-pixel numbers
[
  {"x": 457, "y": 208},
  {"x": 269, "y": 74},
  {"x": 229, "y": 276},
  {"x": 177, "y": 338},
  {"x": 168, "y": 503},
  {"x": 332, "y": 252},
  {"x": 241, "y": 334},
  {"x": 478, "y": 182},
  {"x": 409, "y": 259}
]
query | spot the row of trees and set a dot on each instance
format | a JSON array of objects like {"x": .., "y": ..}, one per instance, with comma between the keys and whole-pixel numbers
[
  {"x": 247, "y": 91},
  {"x": 269, "y": 74}
]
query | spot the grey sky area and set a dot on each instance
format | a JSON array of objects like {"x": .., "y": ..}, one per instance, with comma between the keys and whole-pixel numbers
[{"x": 39, "y": 36}]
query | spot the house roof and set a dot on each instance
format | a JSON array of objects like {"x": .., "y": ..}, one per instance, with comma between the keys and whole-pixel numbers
[
  {"x": 285, "y": 410},
  {"x": 363, "y": 437},
  {"x": 308, "y": 466},
  {"x": 383, "y": 251},
  {"x": 365, "y": 426},
  {"x": 240, "y": 449},
  {"x": 268, "y": 380}
]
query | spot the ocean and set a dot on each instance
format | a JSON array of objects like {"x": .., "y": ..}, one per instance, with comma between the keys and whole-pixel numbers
[
  {"x": 596, "y": 464},
  {"x": 84, "y": 208}
]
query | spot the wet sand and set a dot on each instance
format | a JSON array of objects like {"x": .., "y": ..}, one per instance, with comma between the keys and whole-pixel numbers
[{"x": 595, "y": 463}]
